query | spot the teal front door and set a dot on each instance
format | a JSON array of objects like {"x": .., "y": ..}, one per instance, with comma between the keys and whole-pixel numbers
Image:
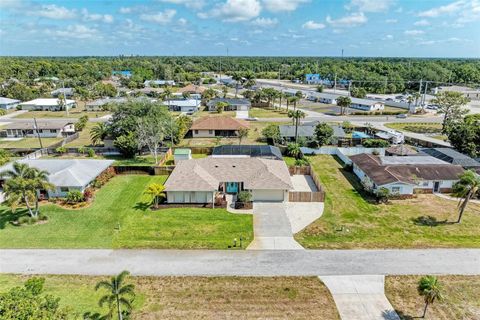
[{"x": 232, "y": 187}]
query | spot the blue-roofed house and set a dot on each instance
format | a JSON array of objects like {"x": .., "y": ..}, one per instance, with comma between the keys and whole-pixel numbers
[
  {"x": 122, "y": 73},
  {"x": 313, "y": 78}
]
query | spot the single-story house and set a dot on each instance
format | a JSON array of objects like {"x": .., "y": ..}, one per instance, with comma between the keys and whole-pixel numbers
[
  {"x": 99, "y": 104},
  {"x": 470, "y": 93},
  {"x": 307, "y": 131},
  {"x": 234, "y": 104},
  {"x": 327, "y": 98},
  {"x": 452, "y": 156},
  {"x": 400, "y": 150},
  {"x": 62, "y": 92},
  {"x": 66, "y": 174},
  {"x": 260, "y": 151},
  {"x": 292, "y": 92},
  {"x": 192, "y": 89},
  {"x": 405, "y": 175},
  {"x": 367, "y": 105},
  {"x": 183, "y": 105},
  {"x": 50, "y": 104},
  {"x": 7, "y": 103},
  {"x": 182, "y": 154},
  {"x": 45, "y": 129},
  {"x": 209, "y": 127},
  {"x": 148, "y": 83},
  {"x": 201, "y": 180}
]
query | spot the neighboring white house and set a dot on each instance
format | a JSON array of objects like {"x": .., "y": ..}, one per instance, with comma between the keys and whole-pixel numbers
[
  {"x": 66, "y": 174},
  {"x": 234, "y": 104},
  {"x": 321, "y": 97},
  {"x": 61, "y": 92},
  {"x": 393, "y": 136},
  {"x": 148, "y": 83},
  {"x": 43, "y": 128},
  {"x": 183, "y": 105},
  {"x": 49, "y": 104},
  {"x": 405, "y": 175},
  {"x": 100, "y": 104},
  {"x": 202, "y": 180},
  {"x": 182, "y": 154},
  {"x": 7, "y": 103},
  {"x": 367, "y": 105},
  {"x": 471, "y": 93}
]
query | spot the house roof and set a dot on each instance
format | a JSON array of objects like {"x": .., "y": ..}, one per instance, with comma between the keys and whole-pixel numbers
[
  {"x": 182, "y": 103},
  {"x": 191, "y": 88},
  {"x": 63, "y": 90},
  {"x": 451, "y": 156},
  {"x": 384, "y": 172},
  {"x": 218, "y": 123},
  {"x": 401, "y": 150},
  {"x": 67, "y": 172},
  {"x": 8, "y": 100},
  {"x": 45, "y": 102},
  {"x": 207, "y": 173},
  {"x": 261, "y": 151},
  {"x": 41, "y": 124},
  {"x": 230, "y": 101}
]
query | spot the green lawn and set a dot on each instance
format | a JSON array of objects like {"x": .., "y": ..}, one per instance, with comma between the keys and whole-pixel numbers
[
  {"x": 304, "y": 298},
  {"x": 84, "y": 137},
  {"x": 350, "y": 220},
  {"x": 433, "y": 128},
  {"x": 267, "y": 113},
  {"x": 120, "y": 218},
  {"x": 28, "y": 143}
]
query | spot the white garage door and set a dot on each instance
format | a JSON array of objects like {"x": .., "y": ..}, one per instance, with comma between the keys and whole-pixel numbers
[{"x": 268, "y": 195}]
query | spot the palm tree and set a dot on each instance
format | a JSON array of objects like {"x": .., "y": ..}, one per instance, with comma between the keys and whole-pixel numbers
[
  {"x": 430, "y": 289},
  {"x": 167, "y": 95},
  {"x": 238, "y": 81},
  {"x": 249, "y": 79},
  {"x": 466, "y": 188},
  {"x": 343, "y": 103},
  {"x": 40, "y": 182},
  {"x": 293, "y": 100},
  {"x": 156, "y": 191},
  {"x": 293, "y": 150},
  {"x": 119, "y": 296},
  {"x": 296, "y": 115},
  {"x": 242, "y": 133},
  {"x": 220, "y": 106},
  {"x": 409, "y": 100},
  {"x": 98, "y": 133},
  {"x": 224, "y": 91},
  {"x": 186, "y": 95},
  {"x": 416, "y": 96}
]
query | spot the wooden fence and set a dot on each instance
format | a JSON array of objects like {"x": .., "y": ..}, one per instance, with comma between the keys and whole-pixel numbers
[
  {"x": 134, "y": 170},
  {"x": 306, "y": 196}
]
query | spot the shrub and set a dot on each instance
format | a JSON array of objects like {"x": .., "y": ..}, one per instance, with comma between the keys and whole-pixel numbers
[
  {"x": 61, "y": 150},
  {"x": 74, "y": 196},
  {"x": 301, "y": 162},
  {"x": 82, "y": 150},
  {"x": 375, "y": 143},
  {"x": 90, "y": 153},
  {"x": 103, "y": 177},
  {"x": 88, "y": 193},
  {"x": 244, "y": 196}
]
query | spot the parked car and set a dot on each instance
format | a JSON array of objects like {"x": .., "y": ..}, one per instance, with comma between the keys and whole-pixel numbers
[{"x": 402, "y": 116}]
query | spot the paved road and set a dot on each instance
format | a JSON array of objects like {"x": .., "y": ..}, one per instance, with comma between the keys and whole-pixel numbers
[{"x": 242, "y": 263}]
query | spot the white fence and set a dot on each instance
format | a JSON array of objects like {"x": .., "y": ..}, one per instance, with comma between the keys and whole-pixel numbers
[{"x": 343, "y": 153}]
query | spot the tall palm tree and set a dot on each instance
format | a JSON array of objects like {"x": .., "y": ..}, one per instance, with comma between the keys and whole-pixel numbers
[
  {"x": 156, "y": 191},
  {"x": 238, "y": 81},
  {"x": 410, "y": 99},
  {"x": 224, "y": 91},
  {"x": 430, "y": 289},
  {"x": 39, "y": 182},
  {"x": 466, "y": 188},
  {"x": 98, "y": 133},
  {"x": 119, "y": 296},
  {"x": 242, "y": 134},
  {"x": 296, "y": 115},
  {"x": 343, "y": 103},
  {"x": 167, "y": 95},
  {"x": 18, "y": 186}
]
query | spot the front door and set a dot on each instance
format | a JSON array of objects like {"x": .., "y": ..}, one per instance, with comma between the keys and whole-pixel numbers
[
  {"x": 436, "y": 186},
  {"x": 232, "y": 187}
]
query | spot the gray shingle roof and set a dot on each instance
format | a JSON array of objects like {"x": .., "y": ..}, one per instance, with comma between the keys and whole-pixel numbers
[
  {"x": 206, "y": 174},
  {"x": 451, "y": 156}
]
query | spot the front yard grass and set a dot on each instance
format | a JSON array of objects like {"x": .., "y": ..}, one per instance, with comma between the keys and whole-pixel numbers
[
  {"x": 28, "y": 143},
  {"x": 120, "y": 217},
  {"x": 267, "y": 113},
  {"x": 198, "y": 297},
  {"x": 461, "y": 297},
  {"x": 351, "y": 220}
]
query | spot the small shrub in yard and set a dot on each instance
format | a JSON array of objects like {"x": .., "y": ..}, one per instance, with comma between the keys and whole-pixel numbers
[
  {"x": 31, "y": 220},
  {"x": 103, "y": 177},
  {"x": 90, "y": 153},
  {"x": 75, "y": 196},
  {"x": 61, "y": 150},
  {"x": 244, "y": 196},
  {"x": 82, "y": 150},
  {"x": 302, "y": 162},
  {"x": 88, "y": 194}
]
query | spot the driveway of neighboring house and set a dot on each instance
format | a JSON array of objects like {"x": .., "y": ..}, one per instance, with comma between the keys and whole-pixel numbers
[
  {"x": 272, "y": 228},
  {"x": 360, "y": 297},
  {"x": 303, "y": 183},
  {"x": 242, "y": 115}
]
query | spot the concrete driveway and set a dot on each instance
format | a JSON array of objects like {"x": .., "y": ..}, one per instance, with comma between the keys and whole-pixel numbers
[
  {"x": 241, "y": 114},
  {"x": 271, "y": 227},
  {"x": 360, "y": 297}
]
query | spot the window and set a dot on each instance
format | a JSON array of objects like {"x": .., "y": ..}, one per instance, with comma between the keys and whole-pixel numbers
[
  {"x": 210, "y": 131},
  {"x": 63, "y": 189},
  {"x": 196, "y": 131},
  {"x": 425, "y": 183},
  {"x": 396, "y": 190},
  {"x": 53, "y": 131}
]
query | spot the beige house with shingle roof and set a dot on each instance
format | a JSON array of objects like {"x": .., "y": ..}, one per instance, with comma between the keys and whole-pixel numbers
[
  {"x": 200, "y": 180},
  {"x": 209, "y": 127}
]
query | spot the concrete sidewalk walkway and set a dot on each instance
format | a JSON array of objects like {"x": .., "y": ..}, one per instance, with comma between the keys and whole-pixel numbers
[
  {"x": 360, "y": 297},
  {"x": 241, "y": 263}
]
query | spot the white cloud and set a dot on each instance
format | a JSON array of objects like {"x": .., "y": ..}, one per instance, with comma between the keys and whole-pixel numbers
[
  {"x": 265, "y": 22},
  {"x": 414, "y": 32},
  {"x": 446, "y": 9},
  {"x": 234, "y": 11},
  {"x": 52, "y": 11},
  {"x": 162, "y": 17},
  {"x": 370, "y": 5},
  {"x": 77, "y": 31},
  {"x": 11, "y": 4},
  {"x": 182, "y": 21},
  {"x": 389, "y": 37},
  {"x": 282, "y": 5},
  {"x": 191, "y": 4},
  {"x": 125, "y": 10},
  {"x": 107, "y": 18},
  {"x": 391, "y": 21},
  {"x": 355, "y": 19},
  {"x": 312, "y": 25},
  {"x": 422, "y": 22}
]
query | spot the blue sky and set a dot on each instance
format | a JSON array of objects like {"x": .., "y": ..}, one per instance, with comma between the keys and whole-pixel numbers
[{"x": 420, "y": 28}]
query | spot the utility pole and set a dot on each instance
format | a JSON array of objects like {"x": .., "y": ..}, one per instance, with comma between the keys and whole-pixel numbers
[
  {"x": 425, "y": 92},
  {"x": 349, "y": 85},
  {"x": 64, "y": 97},
  {"x": 335, "y": 83},
  {"x": 35, "y": 126}
]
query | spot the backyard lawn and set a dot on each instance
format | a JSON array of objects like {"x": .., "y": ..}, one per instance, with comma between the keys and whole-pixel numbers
[
  {"x": 28, "y": 143},
  {"x": 199, "y": 297},
  {"x": 461, "y": 298},
  {"x": 84, "y": 137},
  {"x": 351, "y": 220},
  {"x": 72, "y": 113},
  {"x": 119, "y": 217},
  {"x": 267, "y": 113}
]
